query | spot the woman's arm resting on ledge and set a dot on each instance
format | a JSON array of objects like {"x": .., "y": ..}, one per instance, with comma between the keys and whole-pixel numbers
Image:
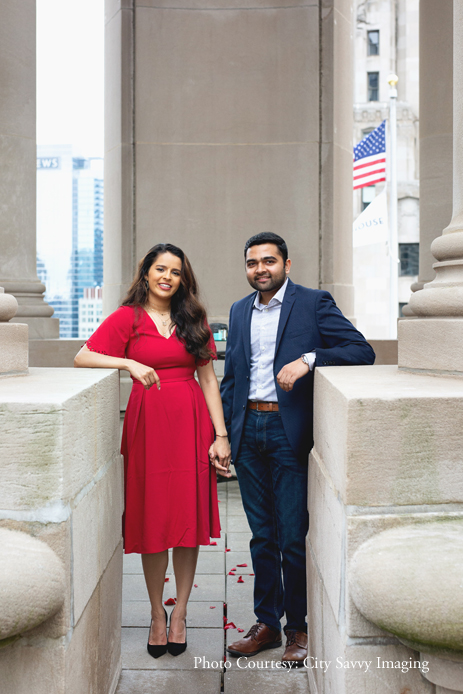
[{"x": 94, "y": 360}]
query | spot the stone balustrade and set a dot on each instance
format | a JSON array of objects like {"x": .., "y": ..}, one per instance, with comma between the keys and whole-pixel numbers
[
  {"x": 62, "y": 489},
  {"x": 385, "y": 543},
  {"x": 32, "y": 584},
  {"x": 407, "y": 581}
]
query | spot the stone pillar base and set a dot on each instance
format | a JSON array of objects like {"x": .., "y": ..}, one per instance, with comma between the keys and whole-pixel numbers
[
  {"x": 431, "y": 344},
  {"x": 40, "y": 328},
  {"x": 14, "y": 349}
]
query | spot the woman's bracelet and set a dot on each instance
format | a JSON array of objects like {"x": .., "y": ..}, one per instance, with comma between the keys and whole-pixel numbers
[{"x": 222, "y": 436}]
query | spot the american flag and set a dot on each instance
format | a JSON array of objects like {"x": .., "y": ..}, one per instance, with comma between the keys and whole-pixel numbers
[{"x": 370, "y": 158}]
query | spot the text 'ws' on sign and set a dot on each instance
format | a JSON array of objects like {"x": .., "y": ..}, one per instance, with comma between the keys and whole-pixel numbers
[{"x": 50, "y": 163}]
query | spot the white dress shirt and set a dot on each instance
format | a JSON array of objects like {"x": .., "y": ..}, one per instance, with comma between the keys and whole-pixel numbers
[{"x": 264, "y": 327}]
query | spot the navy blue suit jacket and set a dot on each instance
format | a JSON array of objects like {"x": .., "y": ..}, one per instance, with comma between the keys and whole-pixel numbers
[{"x": 309, "y": 320}]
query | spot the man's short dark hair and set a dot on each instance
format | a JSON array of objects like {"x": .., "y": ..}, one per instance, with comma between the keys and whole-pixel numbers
[{"x": 268, "y": 237}]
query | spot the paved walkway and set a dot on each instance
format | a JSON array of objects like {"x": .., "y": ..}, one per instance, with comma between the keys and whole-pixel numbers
[{"x": 201, "y": 670}]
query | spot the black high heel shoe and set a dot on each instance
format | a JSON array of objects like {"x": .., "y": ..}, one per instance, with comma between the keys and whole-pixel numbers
[
  {"x": 155, "y": 650},
  {"x": 176, "y": 648}
]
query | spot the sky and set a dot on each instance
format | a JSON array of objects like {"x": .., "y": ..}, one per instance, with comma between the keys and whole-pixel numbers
[{"x": 70, "y": 74}]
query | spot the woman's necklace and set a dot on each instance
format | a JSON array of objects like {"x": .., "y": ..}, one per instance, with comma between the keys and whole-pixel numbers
[
  {"x": 166, "y": 313},
  {"x": 167, "y": 321}
]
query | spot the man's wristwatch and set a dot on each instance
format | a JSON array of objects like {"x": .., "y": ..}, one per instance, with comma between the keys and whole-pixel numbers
[{"x": 305, "y": 359}]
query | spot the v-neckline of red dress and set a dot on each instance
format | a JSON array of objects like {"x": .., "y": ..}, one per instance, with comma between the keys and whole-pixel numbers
[{"x": 157, "y": 329}]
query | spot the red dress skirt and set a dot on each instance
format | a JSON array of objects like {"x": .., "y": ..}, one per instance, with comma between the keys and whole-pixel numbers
[{"x": 170, "y": 485}]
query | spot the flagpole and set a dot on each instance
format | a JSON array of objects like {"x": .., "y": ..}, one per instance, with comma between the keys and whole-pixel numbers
[{"x": 392, "y": 184}]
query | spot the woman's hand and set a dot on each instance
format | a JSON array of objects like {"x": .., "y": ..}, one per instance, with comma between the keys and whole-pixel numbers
[
  {"x": 220, "y": 456},
  {"x": 145, "y": 374}
]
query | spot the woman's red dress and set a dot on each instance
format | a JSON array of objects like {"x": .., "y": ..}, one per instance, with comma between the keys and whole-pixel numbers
[{"x": 170, "y": 485}]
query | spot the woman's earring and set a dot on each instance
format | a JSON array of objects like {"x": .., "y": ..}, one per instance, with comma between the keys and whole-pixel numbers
[{"x": 146, "y": 284}]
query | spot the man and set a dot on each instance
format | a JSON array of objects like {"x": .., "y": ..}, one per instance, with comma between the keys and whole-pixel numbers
[{"x": 277, "y": 335}]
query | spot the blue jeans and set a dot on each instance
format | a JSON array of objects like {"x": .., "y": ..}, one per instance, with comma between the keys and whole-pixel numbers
[{"x": 273, "y": 484}]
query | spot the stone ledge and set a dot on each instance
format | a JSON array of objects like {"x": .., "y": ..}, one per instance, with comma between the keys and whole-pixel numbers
[{"x": 405, "y": 428}]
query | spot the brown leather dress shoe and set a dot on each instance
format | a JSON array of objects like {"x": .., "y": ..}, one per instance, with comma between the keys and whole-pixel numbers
[
  {"x": 296, "y": 648},
  {"x": 259, "y": 638}
]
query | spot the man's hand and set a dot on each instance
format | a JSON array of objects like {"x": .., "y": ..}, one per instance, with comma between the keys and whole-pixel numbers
[{"x": 290, "y": 373}]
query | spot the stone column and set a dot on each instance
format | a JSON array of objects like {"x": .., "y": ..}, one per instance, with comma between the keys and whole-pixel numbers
[
  {"x": 433, "y": 342},
  {"x": 335, "y": 221},
  {"x": 212, "y": 135},
  {"x": 18, "y": 271},
  {"x": 436, "y": 129}
]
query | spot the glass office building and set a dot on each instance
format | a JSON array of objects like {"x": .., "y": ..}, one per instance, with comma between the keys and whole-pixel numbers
[{"x": 69, "y": 231}]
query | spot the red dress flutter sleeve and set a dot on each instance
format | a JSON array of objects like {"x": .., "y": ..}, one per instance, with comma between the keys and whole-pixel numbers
[
  {"x": 112, "y": 336},
  {"x": 212, "y": 348}
]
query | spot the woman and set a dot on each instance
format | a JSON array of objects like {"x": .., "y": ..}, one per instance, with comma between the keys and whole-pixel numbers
[{"x": 160, "y": 336}]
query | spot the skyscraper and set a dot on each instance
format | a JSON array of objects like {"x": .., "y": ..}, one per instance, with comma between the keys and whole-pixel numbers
[{"x": 69, "y": 230}]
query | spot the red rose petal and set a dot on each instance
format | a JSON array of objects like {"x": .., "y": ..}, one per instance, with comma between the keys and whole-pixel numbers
[
  {"x": 234, "y": 568},
  {"x": 213, "y": 543},
  {"x": 224, "y": 620},
  {"x": 241, "y": 565},
  {"x": 251, "y": 574},
  {"x": 230, "y": 625},
  {"x": 230, "y": 573},
  {"x": 212, "y": 607},
  {"x": 195, "y": 585},
  {"x": 240, "y": 630},
  {"x": 170, "y": 601},
  {"x": 165, "y": 580},
  {"x": 240, "y": 580},
  {"x": 228, "y": 550}
]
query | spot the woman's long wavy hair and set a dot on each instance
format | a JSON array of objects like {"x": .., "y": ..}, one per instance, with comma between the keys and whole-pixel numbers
[{"x": 188, "y": 313}]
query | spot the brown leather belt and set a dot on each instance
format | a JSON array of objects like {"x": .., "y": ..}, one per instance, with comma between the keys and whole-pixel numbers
[{"x": 263, "y": 406}]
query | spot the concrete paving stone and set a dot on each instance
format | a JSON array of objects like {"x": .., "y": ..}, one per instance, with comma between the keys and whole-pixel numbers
[
  {"x": 207, "y": 643},
  {"x": 267, "y": 660},
  {"x": 219, "y": 547},
  {"x": 237, "y": 524},
  {"x": 270, "y": 681},
  {"x": 132, "y": 564},
  {"x": 240, "y": 606},
  {"x": 235, "y": 507},
  {"x": 137, "y": 614},
  {"x": 165, "y": 682},
  {"x": 235, "y": 558},
  {"x": 211, "y": 563},
  {"x": 238, "y": 542},
  {"x": 210, "y": 588}
]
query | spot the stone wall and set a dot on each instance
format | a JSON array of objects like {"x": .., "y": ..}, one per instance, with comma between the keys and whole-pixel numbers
[
  {"x": 387, "y": 454},
  {"x": 62, "y": 484}
]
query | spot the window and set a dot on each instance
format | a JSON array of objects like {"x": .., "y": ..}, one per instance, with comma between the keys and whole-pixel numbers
[
  {"x": 373, "y": 42},
  {"x": 373, "y": 86},
  {"x": 409, "y": 259},
  {"x": 368, "y": 195}
]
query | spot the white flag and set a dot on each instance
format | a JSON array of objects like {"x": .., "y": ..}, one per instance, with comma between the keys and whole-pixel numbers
[{"x": 371, "y": 226}]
